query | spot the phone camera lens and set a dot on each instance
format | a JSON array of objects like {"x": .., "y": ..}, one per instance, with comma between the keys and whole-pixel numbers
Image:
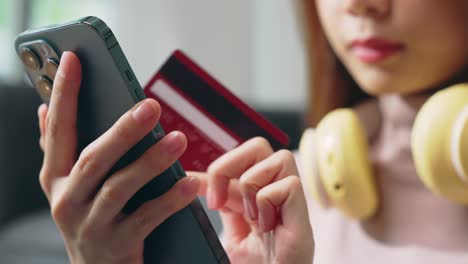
[
  {"x": 30, "y": 59},
  {"x": 51, "y": 68},
  {"x": 44, "y": 87}
]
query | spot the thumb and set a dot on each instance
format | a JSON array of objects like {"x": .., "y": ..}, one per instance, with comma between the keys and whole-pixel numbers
[
  {"x": 283, "y": 203},
  {"x": 282, "y": 208}
]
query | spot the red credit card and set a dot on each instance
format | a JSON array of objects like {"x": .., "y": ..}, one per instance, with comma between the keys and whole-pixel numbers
[{"x": 213, "y": 119}]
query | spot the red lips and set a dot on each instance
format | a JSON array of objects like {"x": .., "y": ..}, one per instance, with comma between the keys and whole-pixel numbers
[{"x": 374, "y": 50}]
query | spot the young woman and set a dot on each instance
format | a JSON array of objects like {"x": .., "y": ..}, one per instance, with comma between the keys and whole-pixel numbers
[
  {"x": 385, "y": 58},
  {"x": 382, "y": 57}
]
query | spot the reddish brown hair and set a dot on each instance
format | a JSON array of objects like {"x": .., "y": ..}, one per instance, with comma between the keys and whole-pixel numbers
[{"x": 330, "y": 84}]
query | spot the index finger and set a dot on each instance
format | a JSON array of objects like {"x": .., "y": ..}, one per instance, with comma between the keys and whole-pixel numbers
[
  {"x": 231, "y": 166},
  {"x": 233, "y": 196},
  {"x": 61, "y": 136}
]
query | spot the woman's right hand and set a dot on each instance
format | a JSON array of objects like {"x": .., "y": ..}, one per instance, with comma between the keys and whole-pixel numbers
[
  {"x": 89, "y": 217},
  {"x": 259, "y": 195}
]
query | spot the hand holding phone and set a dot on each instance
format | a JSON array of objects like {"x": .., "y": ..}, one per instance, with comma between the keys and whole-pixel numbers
[
  {"x": 110, "y": 173},
  {"x": 92, "y": 225}
]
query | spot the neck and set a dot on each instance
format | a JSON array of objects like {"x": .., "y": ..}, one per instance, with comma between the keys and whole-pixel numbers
[
  {"x": 400, "y": 111},
  {"x": 408, "y": 211}
]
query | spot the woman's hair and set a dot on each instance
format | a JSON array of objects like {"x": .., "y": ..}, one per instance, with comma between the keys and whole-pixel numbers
[{"x": 330, "y": 84}]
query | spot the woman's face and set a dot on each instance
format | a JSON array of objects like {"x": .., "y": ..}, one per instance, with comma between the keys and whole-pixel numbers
[{"x": 397, "y": 46}]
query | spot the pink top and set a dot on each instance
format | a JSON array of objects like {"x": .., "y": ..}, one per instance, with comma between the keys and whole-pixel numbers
[
  {"x": 412, "y": 224},
  {"x": 339, "y": 240}
]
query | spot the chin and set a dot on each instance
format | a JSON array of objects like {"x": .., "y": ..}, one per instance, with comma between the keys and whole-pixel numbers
[
  {"x": 377, "y": 87},
  {"x": 377, "y": 83}
]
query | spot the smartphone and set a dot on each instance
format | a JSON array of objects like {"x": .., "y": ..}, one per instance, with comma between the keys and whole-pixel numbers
[{"x": 108, "y": 89}]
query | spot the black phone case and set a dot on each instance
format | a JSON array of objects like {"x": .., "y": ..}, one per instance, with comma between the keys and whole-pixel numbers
[{"x": 109, "y": 88}]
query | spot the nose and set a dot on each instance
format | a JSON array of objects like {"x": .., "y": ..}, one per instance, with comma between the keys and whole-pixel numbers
[{"x": 374, "y": 8}]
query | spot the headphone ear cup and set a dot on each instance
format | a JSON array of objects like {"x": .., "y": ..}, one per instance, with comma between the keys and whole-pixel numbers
[
  {"x": 344, "y": 164},
  {"x": 440, "y": 143},
  {"x": 312, "y": 183}
]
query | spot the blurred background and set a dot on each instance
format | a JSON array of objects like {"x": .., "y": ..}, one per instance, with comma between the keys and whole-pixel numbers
[{"x": 254, "y": 47}]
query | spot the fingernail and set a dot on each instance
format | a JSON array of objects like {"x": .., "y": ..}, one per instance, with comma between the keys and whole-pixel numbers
[
  {"x": 190, "y": 186},
  {"x": 248, "y": 208},
  {"x": 144, "y": 112},
  {"x": 42, "y": 108}
]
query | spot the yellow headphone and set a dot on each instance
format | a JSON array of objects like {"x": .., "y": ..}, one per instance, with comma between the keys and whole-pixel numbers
[{"x": 338, "y": 171}]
